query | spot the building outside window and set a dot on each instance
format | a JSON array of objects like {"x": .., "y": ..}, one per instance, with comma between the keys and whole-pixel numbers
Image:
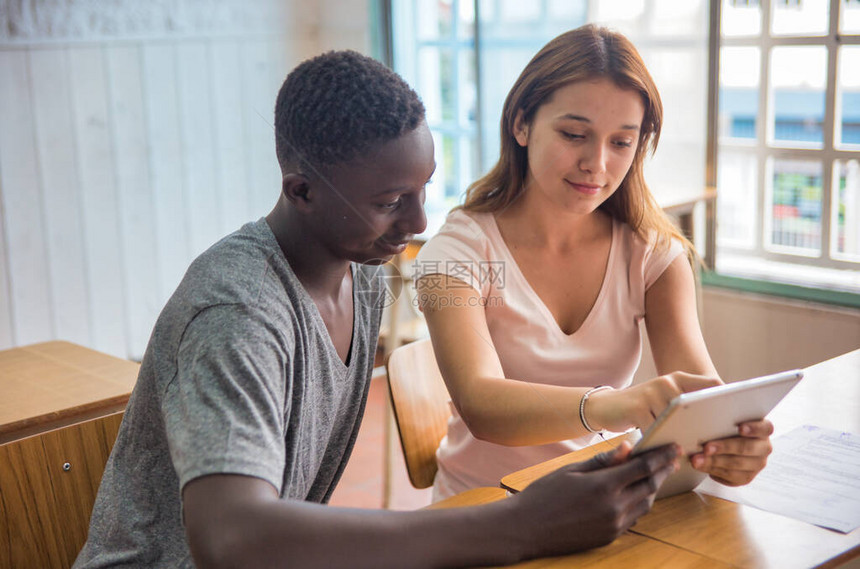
[{"x": 788, "y": 140}]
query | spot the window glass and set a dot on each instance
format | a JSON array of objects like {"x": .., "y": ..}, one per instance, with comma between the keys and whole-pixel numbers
[
  {"x": 626, "y": 16},
  {"x": 795, "y": 206},
  {"x": 800, "y": 17},
  {"x": 672, "y": 18},
  {"x": 566, "y": 10},
  {"x": 849, "y": 21},
  {"x": 680, "y": 74},
  {"x": 436, "y": 83},
  {"x": 519, "y": 11},
  {"x": 434, "y": 19},
  {"x": 740, "y": 69},
  {"x": 740, "y": 18},
  {"x": 737, "y": 183},
  {"x": 848, "y": 87},
  {"x": 798, "y": 79},
  {"x": 466, "y": 21},
  {"x": 846, "y": 210}
]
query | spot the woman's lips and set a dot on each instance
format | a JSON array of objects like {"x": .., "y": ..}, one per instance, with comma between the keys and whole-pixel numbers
[{"x": 587, "y": 189}]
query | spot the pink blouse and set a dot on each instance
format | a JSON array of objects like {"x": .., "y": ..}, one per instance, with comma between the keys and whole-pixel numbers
[{"x": 605, "y": 350}]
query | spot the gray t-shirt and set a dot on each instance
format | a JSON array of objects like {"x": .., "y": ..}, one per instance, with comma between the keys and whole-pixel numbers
[{"x": 240, "y": 377}]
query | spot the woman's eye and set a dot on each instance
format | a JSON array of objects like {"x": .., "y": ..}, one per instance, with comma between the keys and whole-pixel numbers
[
  {"x": 624, "y": 143},
  {"x": 571, "y": 135}
]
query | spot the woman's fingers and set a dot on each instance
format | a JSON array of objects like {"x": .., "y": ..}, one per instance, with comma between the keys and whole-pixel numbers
[{"x": 737, "y": 460}]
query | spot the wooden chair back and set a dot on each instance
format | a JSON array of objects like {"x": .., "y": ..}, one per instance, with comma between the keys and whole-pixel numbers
[{"x": 419, "y": 400}]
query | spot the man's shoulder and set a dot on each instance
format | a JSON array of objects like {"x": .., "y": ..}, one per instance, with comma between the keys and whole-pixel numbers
[{"x": 246, "y": 266}]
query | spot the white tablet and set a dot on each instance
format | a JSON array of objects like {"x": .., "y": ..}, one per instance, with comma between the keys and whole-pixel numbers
[{"x": 694, "y": 418}]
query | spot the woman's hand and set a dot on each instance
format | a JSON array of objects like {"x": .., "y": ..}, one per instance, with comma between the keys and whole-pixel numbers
[
  {"x": 735, "y": 461},
  {"x": 639, "y": 405}
]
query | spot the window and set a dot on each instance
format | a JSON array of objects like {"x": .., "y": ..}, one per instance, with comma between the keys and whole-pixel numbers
[
  {"x": 788, "y": 142},
  {"x": 462, "y": 56}
]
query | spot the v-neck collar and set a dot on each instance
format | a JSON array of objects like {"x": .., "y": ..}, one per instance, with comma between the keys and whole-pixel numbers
[
  {"x": 319, "y": 323},
  {"x": 535, "y": 297}
]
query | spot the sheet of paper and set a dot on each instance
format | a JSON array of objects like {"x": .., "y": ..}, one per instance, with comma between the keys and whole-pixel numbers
[{"x": 813, "y": 475}]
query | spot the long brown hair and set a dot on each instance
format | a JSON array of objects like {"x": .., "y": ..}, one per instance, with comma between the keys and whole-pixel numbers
[{"x": 586, "y": 53}]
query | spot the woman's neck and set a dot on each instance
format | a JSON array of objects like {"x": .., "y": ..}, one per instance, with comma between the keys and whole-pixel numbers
[{"x": 533, "y": 223}]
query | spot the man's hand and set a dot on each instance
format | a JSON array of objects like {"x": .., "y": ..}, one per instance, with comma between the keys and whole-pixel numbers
[
  {"x": 735, "y": 461},
  {"x": 591, "y": 503}
]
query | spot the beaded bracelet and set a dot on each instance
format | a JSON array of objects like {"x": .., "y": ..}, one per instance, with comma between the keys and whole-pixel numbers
[{"x": 582, "y": 406}]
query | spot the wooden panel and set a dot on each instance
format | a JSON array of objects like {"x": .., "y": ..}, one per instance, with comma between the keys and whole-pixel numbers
[
  {"x": 166, "y": 160},
  {"x": 45, "y": 508},
  {"x": 27, "y": 509},
  {"x": 134, "y": 194},
  {"x": 55, "y": 144},
  {"x": 19, "y": 180},
  {"x": 203, "y": 207},
  {"x": 99, "y": 203},
  {"x": 229, "y": 133}
]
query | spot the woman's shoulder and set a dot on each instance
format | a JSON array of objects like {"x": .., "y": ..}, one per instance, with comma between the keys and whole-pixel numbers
[
  {"x": 468, "y": 228},
  {"x": 651, "y": 242},
  {"x": 648, "y": 255},
  {"x": 459, "y": 217},
  {"x": 463, "y": 238}
]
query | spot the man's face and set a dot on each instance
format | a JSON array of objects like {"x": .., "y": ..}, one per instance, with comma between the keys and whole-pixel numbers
[{"x": 371, "y": 206}]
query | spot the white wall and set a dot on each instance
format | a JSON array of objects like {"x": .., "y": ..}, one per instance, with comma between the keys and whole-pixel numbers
[
  {"x": 132, "y": 136},
  {"x": 751, "y": 334}
]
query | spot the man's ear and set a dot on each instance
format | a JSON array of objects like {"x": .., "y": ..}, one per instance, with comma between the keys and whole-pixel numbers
[
  {"x": 521, "y": 130},
  {"x": 296, "y": 188}
]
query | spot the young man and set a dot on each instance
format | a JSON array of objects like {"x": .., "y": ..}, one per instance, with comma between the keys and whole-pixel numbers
[{"x": 254, "y": 381}]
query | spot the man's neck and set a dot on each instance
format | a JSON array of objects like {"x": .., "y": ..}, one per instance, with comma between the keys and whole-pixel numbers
[{"x": 321, "y": 275}]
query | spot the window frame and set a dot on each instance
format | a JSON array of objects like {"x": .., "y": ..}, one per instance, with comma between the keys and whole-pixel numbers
[{"x": 766, "y": 150}]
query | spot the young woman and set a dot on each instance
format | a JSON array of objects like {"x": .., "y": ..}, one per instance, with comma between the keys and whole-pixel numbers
[{"x": 533, "y": 290}]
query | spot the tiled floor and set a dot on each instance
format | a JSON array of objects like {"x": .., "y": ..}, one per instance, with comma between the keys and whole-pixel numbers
[{"x": 362, "y": 483}]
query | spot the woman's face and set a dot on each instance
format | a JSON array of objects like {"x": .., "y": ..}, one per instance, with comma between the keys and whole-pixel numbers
[{"x": 581, "y": 143}]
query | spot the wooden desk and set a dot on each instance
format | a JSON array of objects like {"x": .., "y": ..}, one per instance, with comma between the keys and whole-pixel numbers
[
  {"x": 742, "y": 536},
  {"x": 54, "y": 384},
  {"x": 628, "y": 551},
  {"x": 60, "y": 411}
]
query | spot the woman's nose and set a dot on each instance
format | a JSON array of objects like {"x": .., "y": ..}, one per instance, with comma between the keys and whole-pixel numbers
[{"x": 593, "y": 159}]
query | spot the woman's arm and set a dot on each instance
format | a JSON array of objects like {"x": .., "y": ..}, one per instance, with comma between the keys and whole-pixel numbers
[
  {"x": 672, "y": 322},
  {"x": 510, "y": 412},
  {"x": 676, "y": 340},
  {"x": 495, "y": 408}
]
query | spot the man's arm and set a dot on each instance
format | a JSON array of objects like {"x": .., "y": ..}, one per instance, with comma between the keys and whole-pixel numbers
[{"x": 239, "y": 521}]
